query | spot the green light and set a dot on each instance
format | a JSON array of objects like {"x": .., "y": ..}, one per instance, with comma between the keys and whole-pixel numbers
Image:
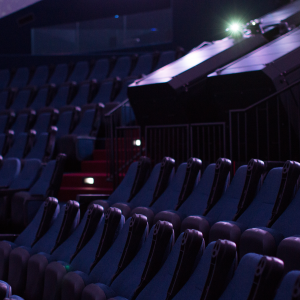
[{"x": 67, "y": 267}]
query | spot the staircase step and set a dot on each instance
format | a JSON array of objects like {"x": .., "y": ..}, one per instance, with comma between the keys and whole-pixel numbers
[
  {"x": 99, "y": 154},
  {"x": 93, "y": 166},
  {"x": 76, "y": 180},
  {"x": 69, "y": 193}
]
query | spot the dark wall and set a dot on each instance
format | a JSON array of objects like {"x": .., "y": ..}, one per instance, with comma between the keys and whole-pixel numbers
[{"x": 193, "y": 20}]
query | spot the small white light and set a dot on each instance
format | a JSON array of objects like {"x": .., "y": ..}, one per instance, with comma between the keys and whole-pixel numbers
[
  {"x": 253, "y": 23},
  {"x": 137, "y": 143},
  {"x": 235, "y": 27},
  {"x": 89, "y": 180}
]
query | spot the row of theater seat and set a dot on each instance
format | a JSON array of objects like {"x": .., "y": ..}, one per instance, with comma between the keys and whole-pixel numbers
[
  {"x": 28, "y": 182},
  {"x": 110, "y": 90},
  {"x": 104, "y": 68},
  {"x": 118, "y": 259},
  {"x": 71, "y": 130}
]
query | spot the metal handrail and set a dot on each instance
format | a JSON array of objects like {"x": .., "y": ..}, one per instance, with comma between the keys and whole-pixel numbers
[{"x": 266, "y": 98}]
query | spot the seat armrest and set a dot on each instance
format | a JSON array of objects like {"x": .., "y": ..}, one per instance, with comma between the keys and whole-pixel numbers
[
  {"x": 261, "y": 240},
  {"x": 228, "y": 230},
  {"x": 86, "y": 199}
]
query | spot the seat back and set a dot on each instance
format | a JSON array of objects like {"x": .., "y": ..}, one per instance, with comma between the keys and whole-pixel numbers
[
  {"x": 226, "y": 207},
  {"x": 63, "y": 226},
  {"x": 24, "y": 120},
  {"x": 105, "y": 91},
  {"x": 40, "y": 76},
  {"x": 260, "y": 210},
  {"x": 20, "y": 78},
  {"x": 4, "y": 99},
  {"x": 177, "y": 268},
  {"x": 28, "y": 175},
  {"x": 143, "y": 66},
  {"x": 289, "y": 288},
  {"x": 90, "y": 120},
  {"x": 80, "y": 72},
  {"x": 60, "y": 74},
  {"x": 46, "y": 118},
  {"x": 40, "y": 224},
  {"x": 256, "y": 277},
  {"x": 156, "y": 184},
  {"x": 123, "y": 190},
  {"x": 6, "y": 120},
  {"x": 22, "y": 99},
  {"x": 196, "y": 203},
  {"x": 181, "y": 186},
  {"x": 148, "y": 261},
  {"x": 83, "y": 95},
  {"x": 94, "y": 215},
  {"x": 9, "y": 171},
  {"x": 255, "y": 170},
  {"x": 122, "y": 67},
  {"x": 41, "y": 99},
  {"x": 122, "y": 95},
  {"x": 290, "y": 176},
  {"x": 44, "y": 146},
  {"x": 100, "y": 70},
  {"x": 22, "y": 145},
  {"x": 62, "y": 97},
  {"x": 4, "y": 78},
  {"x": 68, "y": 119},
  {"x": 113, "y": 223},
  {"x": 83, "y": 260},
  {"x": 50, "y": 179}
]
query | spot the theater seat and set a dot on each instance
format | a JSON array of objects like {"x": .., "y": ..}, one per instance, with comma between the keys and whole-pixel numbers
[
  {"x": 80, "y": 72},
  {"x": 143, "y": 66},
  {"x": 40, "y": 76},
  {"x": 64, "y": 95},
  {"x": 43, "y": 146},
  {"x": 173, "y": 274},
  {"x": 60, "y": 74},
  {"x": 30, "y": 171},
  {"x": 131, "y": 184},
  {"x": 24, "y": 120},
  {"x": 9, "y": 171},
  {"x": 122, "y": 67},
  {"x": 256, "y": 277},
  {"x": 79, "y": 145},
  {"x": 22, "y": 144},
  {"x": 44, "y": 97},
  {"x": 156, "y": 184},
  {"x": 46, "y": 117},
  {"x": 41, "y": 222},
  {"x": 22, "y": 99},
  {"x": 289, "y": 287},
  {"x": 65, "y": 252},
  {"x": 63, "y": 226},
  {"x": 4, "y": 78},
  {"x": 104, "y": 237},
  {"x": 100, "y": 70},
  {"x": 151, "y": 254},
  {"x": 105, "y": 92},
  {"x": 24, "y": 205},
  {"x": 20, "y": 78},
  {"x": 7, "y": 118}
]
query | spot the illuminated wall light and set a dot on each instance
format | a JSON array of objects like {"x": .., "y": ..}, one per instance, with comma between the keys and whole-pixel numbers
[
  {"x": 116, "y": 16},
  {"x": 137, "y": 143},
  {"x": 89, "y": 180}
]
